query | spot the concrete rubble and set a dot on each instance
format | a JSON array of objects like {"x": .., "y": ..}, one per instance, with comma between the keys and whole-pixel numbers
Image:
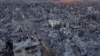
[{"x": 69, "y": 29}]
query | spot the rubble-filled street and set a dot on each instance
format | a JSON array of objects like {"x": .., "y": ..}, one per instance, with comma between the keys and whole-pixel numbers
[{"x": 50, "y": 29}]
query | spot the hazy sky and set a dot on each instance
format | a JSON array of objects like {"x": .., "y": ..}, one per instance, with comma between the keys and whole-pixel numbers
[{"x": 30, "y": 1}]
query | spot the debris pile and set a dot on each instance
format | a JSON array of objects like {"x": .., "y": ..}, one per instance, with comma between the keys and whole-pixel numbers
[{"x": 68, "y": 29}]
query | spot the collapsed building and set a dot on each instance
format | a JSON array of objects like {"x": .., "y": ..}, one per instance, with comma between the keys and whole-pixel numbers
[{"x": 49, "y": 29}]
